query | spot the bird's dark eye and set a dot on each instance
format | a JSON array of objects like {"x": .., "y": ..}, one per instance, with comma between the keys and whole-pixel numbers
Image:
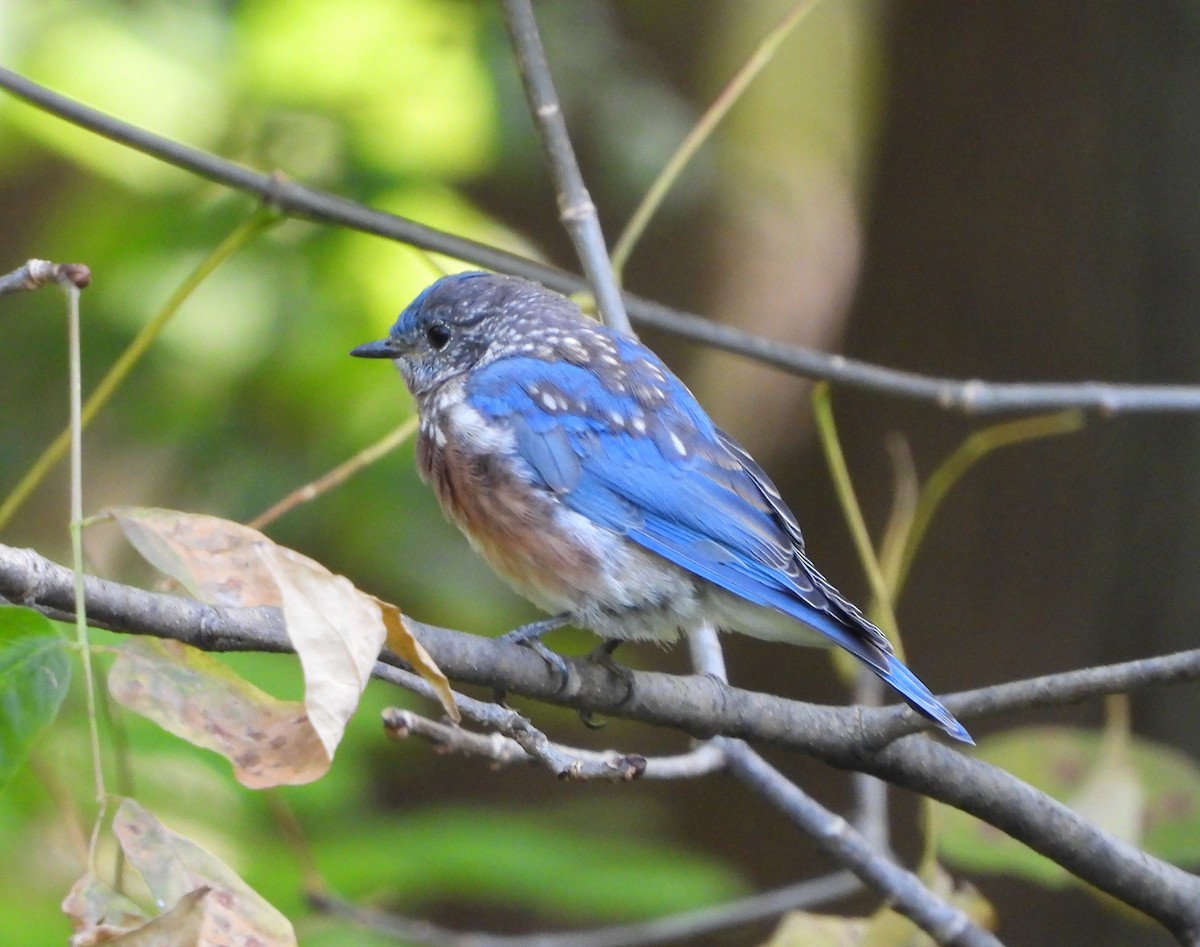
[{"x": 438, "y": 334}]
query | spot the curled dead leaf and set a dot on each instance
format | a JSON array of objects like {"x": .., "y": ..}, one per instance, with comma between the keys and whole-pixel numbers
[{"x": 337, "y": 630}]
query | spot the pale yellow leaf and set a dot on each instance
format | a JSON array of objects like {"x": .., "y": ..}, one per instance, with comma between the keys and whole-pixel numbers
[
  {"x": 1111, "y": 794},
  {"x": 403, "y": 643},
  {"x": 185, "y": 925},
  {"x": 889, "y": 928},
  {"x": 98, "y": 913},
  {"x": 174, "y": 867},
  {"x": 216, "y": 560},
  {"x": 801, "y": 929},
  {"x": 193, "y": 695},
  {"x": 337, "y": 631},
  {"x": 886, "y": 928}
]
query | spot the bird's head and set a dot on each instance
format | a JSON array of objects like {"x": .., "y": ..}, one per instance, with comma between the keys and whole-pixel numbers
[{"x": 460, "y": 323}]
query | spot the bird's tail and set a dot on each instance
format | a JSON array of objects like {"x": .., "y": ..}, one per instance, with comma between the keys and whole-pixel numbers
[
  {"x": 851, "y": 632},
  {"x": 921, "y": 699}
]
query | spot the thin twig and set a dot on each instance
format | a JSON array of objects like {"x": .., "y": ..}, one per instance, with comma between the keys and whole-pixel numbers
[
  {"x": 700, "y": 132},
  {"x": 977, "y": 446},
  {"x": 683, "y": 927},
  {"x": 501, "y": 750},
  {"x": 575, "y": 207},
  {"x": 75, "y": 360},
  {"x": 35, "y": 274},
  {"x": 564, "y": 762},
  {"x": 246, "y": 231},
  {"x": 339, "y": 474},
  {"x": 839, "y": 473},
  {"x": 971, "y": 396},
  {"x": 870, "y": 794},
  {"x": 292, "y": 833}
]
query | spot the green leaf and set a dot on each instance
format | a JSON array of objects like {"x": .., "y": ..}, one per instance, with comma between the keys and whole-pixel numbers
[
  {"x": 573, "y": 868},
  {"x": 34, "y": 673},
  {"x": 1072, "y": 766}
]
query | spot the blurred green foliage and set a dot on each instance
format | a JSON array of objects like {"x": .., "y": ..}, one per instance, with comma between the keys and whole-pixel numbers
[{"x": 247, "y": 395}]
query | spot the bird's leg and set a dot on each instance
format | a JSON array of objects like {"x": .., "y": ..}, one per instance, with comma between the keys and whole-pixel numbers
[
  {"x": 602, "y": 654},
  {"x": 530, "y": 635}
]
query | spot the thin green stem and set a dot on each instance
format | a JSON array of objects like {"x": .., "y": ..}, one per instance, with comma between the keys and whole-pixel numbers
[
  {"x": 836, "y": 460},
  {"x": 81, "y": 629},
  {"x": 701, "y": 132},
  {"x": 905, "y": 495},
  {"x": 971, "y": 450},
  {"x": 247, "y": 231}
]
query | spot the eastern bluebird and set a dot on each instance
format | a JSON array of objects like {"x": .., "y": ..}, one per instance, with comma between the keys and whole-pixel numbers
[{"x": 592, "y": 481}]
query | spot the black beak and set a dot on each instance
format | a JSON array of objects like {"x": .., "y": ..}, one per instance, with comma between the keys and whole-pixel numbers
[{"x": 384, "y": 348}]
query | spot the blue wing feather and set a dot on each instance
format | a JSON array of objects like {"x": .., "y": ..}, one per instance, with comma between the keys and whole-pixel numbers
[{"x": 679, "y": 487}]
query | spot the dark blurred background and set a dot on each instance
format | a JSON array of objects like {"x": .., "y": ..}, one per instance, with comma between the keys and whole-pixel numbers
[{"x": 1004, "y": 190}]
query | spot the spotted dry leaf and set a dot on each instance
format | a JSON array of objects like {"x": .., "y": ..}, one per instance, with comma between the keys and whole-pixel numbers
[
  {"x": 199, "y": 885},
  {"x": 191, "y": 694},
  {"x": 98, "y": 913},
  {"x": 336, "y": 630}
]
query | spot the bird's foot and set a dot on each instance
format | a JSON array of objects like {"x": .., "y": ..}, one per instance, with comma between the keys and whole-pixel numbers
[
  {"x": 602, "y": 655},
  {"x": 530, "y": 636}
]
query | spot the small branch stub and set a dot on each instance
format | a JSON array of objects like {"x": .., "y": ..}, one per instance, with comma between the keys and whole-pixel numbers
[{"x": 38, "y": 273}]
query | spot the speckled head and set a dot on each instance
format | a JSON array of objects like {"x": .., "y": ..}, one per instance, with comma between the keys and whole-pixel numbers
[{"x": 464, "y": 321}]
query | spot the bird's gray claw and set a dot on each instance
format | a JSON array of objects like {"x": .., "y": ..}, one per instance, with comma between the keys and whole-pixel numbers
[{"x": 603, "y": 656}]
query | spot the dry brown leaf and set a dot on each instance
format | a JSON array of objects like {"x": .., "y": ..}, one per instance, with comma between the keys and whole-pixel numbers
[
  {"x": 174, "y": 867},
  {"x": 182, "y": 926},
  {"x": 337, "y": 630},
  {"x": 99, "y": 914},
  {"x": 404, "y": 644},
  {"x": 216, "y": 560},
  {"x": 193, "y": 695}
]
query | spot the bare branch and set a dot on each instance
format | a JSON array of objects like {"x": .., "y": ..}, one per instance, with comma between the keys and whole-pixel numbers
[
  {"x": 849, "y": 737},
  {"x": 575, "y": 207},
  {"x": 1166, "y": 893},
  {"x": 678, "y": 927},
  {"x": 38, "y": 273},
  {"x": 943, "y": 922},
  {"x": 971, "y": 396},
  {"x": 584, "y": 764}
]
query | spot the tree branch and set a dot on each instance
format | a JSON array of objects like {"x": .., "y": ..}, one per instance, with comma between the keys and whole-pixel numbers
[
  {"x": 849, "y": 737},
  {"x": 295, "y": 200},
  {"x": 575, "y": 207},
  {"x": 502, "y": 750},
  {"x": 38, "y": 273},
  {"x": 678, "y": 927},
  {"x": 1168, "y": 894},
  {"x": 942, "y": 921}
]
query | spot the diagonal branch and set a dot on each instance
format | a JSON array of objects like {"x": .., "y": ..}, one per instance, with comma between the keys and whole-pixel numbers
[
  {"x": 575, "y": 207},
  {"x": 1168, "y": 894},
  {"x": 295, "y": 200},
  {"x": 942, "y": 921}
]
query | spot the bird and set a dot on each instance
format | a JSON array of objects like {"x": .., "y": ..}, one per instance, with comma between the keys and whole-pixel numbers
[{"x": 589, "y": 478}]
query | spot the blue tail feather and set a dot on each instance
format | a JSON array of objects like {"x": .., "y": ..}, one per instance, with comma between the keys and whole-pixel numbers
[
  {"x": 922, "y": 700},
  {"x": 885, "y": 664}
]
